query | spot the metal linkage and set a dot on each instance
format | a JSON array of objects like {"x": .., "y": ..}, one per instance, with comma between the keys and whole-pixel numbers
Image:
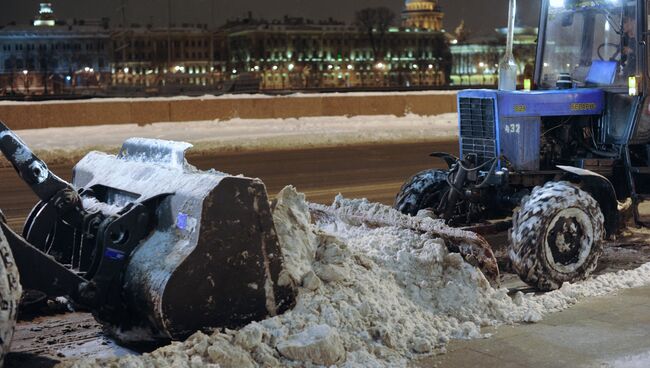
[{"x": 60, "y": 216}]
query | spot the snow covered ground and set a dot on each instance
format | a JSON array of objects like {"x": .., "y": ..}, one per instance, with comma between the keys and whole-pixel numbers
[
  {"x": 368, "y": 297},
  {"x": 249, "y": 134}
]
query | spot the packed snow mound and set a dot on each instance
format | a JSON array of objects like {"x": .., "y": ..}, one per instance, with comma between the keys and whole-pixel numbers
[
  {"x": 368, "y": 297},
  {"x": 296, "y": 233},
  {"x": 252, "y": 134}
]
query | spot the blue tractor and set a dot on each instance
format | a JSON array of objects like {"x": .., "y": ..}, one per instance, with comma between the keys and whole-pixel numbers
[{"x": 569, "y": 160}]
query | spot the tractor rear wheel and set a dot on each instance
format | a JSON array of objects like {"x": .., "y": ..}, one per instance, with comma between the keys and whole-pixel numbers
[
  {"x": 10, "y": 292},
  {"x": 557, "y": 236},
  {"x": 423, "y": 190}
]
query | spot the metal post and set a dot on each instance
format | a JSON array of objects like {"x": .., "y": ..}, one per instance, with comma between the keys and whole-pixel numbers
[
  {"x": 508, "y": 66},
  {"x": 169, "y": 41}
]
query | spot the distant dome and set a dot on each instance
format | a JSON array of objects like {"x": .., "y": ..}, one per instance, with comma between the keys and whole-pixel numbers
[
  {"x": 425, "y": 3},
  {"x": 422, "y": 14}
]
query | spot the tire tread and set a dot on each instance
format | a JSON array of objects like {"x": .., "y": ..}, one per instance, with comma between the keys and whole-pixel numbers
[{"x": 528, "y": 231}]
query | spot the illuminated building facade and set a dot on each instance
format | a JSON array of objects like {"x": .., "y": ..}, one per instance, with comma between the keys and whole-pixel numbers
[
  {"x": 55, "y": 59},
  {"x": 52, "y": 57},
  {"x": 298, "y": 54},
  {"x": 168, "y": 60}
]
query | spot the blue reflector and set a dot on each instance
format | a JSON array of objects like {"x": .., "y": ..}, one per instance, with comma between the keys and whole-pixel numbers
[
  {"x": 181, "y": 221},
  {"x": 114, "y": 254}
]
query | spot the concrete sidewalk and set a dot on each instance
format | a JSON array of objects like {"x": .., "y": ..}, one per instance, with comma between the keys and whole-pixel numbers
[{"x": 610, "y": 331}]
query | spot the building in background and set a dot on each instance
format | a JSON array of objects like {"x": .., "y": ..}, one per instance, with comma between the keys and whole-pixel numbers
[
  {"x": 476, "y": 59},
  {"x": 52, "y": 56},
  {"x": 300, "y": 54},
  {"x": 167, "y": 60}
]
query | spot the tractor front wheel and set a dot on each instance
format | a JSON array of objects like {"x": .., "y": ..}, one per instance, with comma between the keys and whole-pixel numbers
[
  {"x": 422, "y": 191},
  {"x": 557, "y": 236}
]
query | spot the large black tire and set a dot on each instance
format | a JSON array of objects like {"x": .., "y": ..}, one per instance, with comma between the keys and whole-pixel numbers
[
  {"x": 10, "y": 292},
  {"x": 423, "y": 190},
  {"x": 557, "y": 236}
]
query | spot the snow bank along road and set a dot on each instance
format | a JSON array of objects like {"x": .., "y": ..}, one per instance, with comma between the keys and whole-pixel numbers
[{"x": 252, "y": 134}]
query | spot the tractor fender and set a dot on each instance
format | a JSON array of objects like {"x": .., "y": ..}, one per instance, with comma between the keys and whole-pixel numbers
[{"x": 603, "y": 192}]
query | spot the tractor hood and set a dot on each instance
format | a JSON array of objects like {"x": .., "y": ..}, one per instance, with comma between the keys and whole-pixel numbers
[
  {"x": 567, "y": 102},
  {"x": 496, "y": 124}
]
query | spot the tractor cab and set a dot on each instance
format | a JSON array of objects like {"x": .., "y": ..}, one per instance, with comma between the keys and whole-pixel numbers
[
  {"x": 600, "y": 45},
  {"x": 594, "y": 43}
]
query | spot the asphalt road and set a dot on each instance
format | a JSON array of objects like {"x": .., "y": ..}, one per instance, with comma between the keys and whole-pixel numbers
[{"x": 375, "y": 172}]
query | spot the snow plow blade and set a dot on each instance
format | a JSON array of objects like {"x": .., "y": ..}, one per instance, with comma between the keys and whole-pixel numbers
[
  {"x": 154, "y": 247},
  {"x": 213, "y": 259}
]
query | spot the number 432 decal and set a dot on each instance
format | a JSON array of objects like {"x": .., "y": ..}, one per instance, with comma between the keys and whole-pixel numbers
[{"x": 513, "y": 128}]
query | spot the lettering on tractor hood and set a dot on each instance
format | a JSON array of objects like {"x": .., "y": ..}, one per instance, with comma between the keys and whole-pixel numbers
[{"x": 570, "y": 102}]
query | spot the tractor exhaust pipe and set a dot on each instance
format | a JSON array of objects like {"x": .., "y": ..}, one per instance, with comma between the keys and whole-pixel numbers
[{"x": 508, "y": 66}]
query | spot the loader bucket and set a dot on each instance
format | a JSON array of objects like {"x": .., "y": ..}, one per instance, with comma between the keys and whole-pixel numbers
[{"x": 213, "y": 258}]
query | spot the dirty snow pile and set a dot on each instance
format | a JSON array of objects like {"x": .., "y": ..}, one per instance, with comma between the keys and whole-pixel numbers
[{"x": 367, "y": 297}]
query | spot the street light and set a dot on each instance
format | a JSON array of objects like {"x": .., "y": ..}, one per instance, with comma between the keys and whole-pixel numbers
[{"x": 25, "y": 80}]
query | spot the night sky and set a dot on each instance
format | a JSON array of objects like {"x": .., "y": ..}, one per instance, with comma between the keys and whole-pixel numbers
[{"x": 481, "y": 16}]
